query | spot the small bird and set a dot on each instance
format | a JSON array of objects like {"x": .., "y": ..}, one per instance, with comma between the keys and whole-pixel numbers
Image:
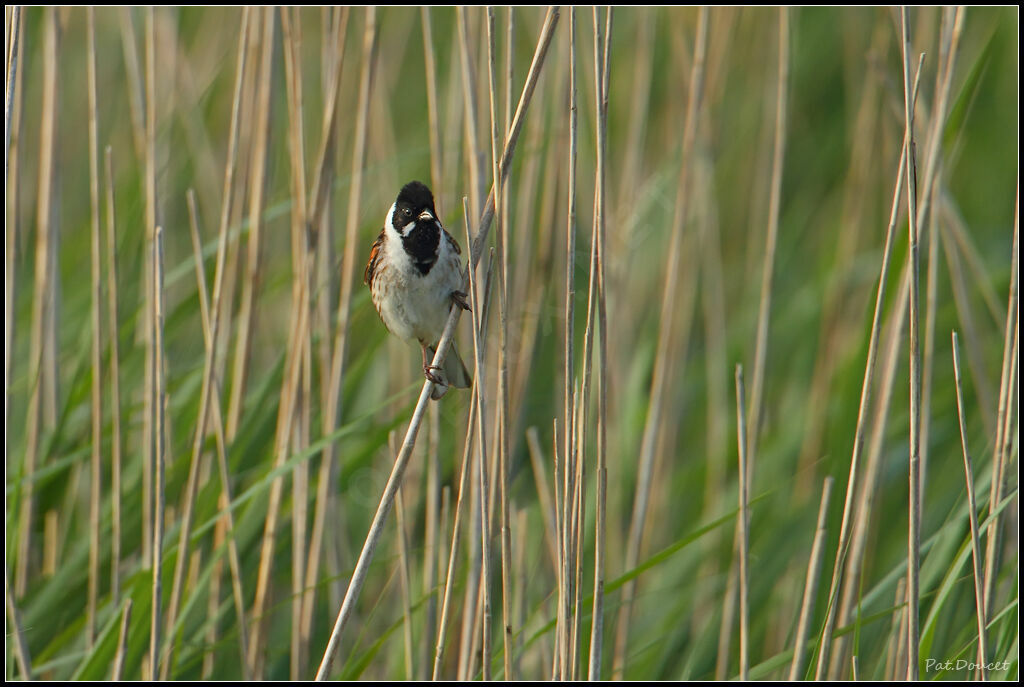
[{"x": 415, "y": 277}]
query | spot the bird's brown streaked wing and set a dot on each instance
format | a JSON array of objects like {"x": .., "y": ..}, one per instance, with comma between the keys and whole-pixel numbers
[
  {"x": 371, "y": 265},
  {"x": 452, "y": 242}
]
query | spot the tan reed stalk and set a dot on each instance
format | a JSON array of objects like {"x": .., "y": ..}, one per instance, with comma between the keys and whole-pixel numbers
[
  {"x": 914, "y": 529},
  {"x": 578, "y": 521},
  {"x": 771, "y": 240},
  {"x": 449, "y": 585},
  {"x": 332, "y": 412},
  {"x": 159, "y": 449},
  {"x": 136, "y": 87},
  {"x": 431, "y": 545},
  {"x": 306, "y": 563},
  {"x": 9, "y": 85},
  {"x": 744, "y": 527},
  {"x": 209, "y": 359},
  {"x": 12, "y": 126},
  {"x": 811, "y": 583},
  {"x": 548, "y": 510},
  {"x": 433, "y": 119},
  {"x": 117, "y": 671},
  {"x": 15, "y": 633},
  {"x": 40, "y": 301},
  {"x": 645, "y": 462},
  {"x": 471, "y": 137},
  {"x": 1004, "y": 437},
  {"x": 602, "y": 76},
  {"x": 401, "y": 461},
  {"x": 257, "y": 179},
  {"x": 501, "y": 229},
  {"x": 95, "y": 487},
  {"x": 115, "y": 385},
  {"x": 404, "y": 576},
  {"x": 895, "y": 634},
  {"x": 149, "y": 193},
  {"x": 228, "y": 521},
  {"x": 292, "y": 380},
  {"x": 825, "y": 644},
  {"x": 868, "y": 488},
  {"x": 972, "y": 505},
  {"x": 213, "y": 597}
]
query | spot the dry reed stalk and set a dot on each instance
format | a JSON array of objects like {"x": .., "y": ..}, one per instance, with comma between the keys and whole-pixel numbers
[
  {"x": 972, "y": 505},
  {"x": 825, "y": 645},
  {"x": 602, "y": 77},
  {"x": 226, "y": 526},
  {"x": 209, "y": 359},
  {"x": 431, "y": 547},
  {"x": 291, "y": 383},
  {"x": 12, "y": 123},
  {"x": 404, "y": 576},
  {"x": 95, "y": 476},
  {"x": 213, "y": 597},
  {"x": 859, "y": 540},
  {"x": 117, "y": 671},
  {"x": 895, "y": 635},
  {"x": 1004, "y": 436},
  {"x": 433, "y": 120},
  {"x": 811, "y": 583},
  {"x": 246, "y": 313},
  {"x": 471, "y": 137},
  {"x": 914, "y": 528},
  {"x": 9, "y": 85},
  {"x": 501, "y": 229},
  {"x": 645, "y": 462},
  {"x": 149, "y": 193},
  {"x": 538, "y": 463},
  {"x": 14, "y": 632},
  {"x": 771, "y": 241},
  {"x": 40, "y": 301},
  {"x": 744, "y": 527},
  {"x": 156, "y": 303},
  {"x": 115, "y": 385},
  {"x": 401, "y": 461},
  {"x": 449, "y": 575},
  {"x": 332, "y": 411}
]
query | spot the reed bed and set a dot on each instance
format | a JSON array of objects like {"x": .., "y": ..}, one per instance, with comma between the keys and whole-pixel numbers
[{"x": 219, "y": 465}]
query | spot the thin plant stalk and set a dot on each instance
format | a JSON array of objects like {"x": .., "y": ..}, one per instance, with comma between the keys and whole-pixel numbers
[
  {"x": 771, "y": 240},
  {"x": 209, "y": 362},
  {"x": 914, "y": 529},
  {"x": 845, "y": 528},
  {"x": 117, "y": 671},
  {"x": 95, "y": 491},
  {"x": 159, "y": 457},
  {"x": 602, "y": 76},
  {"x": 503, "y": 398},
  {"x": 115, "y": 385},
  {"x": 972, "y": 511},
  {"x": 645, "y": 461},
  {"x": 401, "y": 462},
  {"x": 811, "y": 583},
  {"x": 14, "y": 631},
  {"x": 744, "y": 528}
]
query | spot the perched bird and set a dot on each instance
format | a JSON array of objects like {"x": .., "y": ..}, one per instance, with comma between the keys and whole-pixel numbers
[{"x": 415, "y": 276}]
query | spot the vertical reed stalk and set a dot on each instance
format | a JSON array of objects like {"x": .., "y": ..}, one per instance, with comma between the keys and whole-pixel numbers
[
  {"x": 914, "y": 529},
  {"x": 744, "y": 527},
  {"x": 40, "y": 301},
  {"x": 602, "y": 77},
  {"x": 115, "y": 386},
  {"x": 401, "y": 461},
  {"x": 12, "y": 123},
  {"x": 117, "y": 671},
  {"x": 846, "y": 526},
  {"x": 95, "y": 491},
  {"x": 149, "y": 193},
  {"x": 811, "y": 584},
  {"x": 14, "y": 632},
  {"x": 645, "y": 462},
  {"x": 159, "y": 459},
  {"x": 972, "y": 511}
]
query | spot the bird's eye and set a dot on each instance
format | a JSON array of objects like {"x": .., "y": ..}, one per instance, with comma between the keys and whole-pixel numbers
[{"x": 407, "y": 212}]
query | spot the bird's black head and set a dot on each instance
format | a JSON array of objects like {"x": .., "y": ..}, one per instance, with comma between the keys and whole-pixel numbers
[
  {"x": 415, "y": 220},
  {"x": 413, "y": 200}
]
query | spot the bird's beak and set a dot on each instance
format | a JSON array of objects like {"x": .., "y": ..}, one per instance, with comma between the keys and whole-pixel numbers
[{"x": 426, "y": 215}]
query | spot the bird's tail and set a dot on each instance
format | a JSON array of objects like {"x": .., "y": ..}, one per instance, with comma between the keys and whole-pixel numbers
[{"x": 455, "y": 372}]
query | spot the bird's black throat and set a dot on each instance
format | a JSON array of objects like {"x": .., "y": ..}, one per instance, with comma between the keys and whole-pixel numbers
[{"x": 421, "y": 245}]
